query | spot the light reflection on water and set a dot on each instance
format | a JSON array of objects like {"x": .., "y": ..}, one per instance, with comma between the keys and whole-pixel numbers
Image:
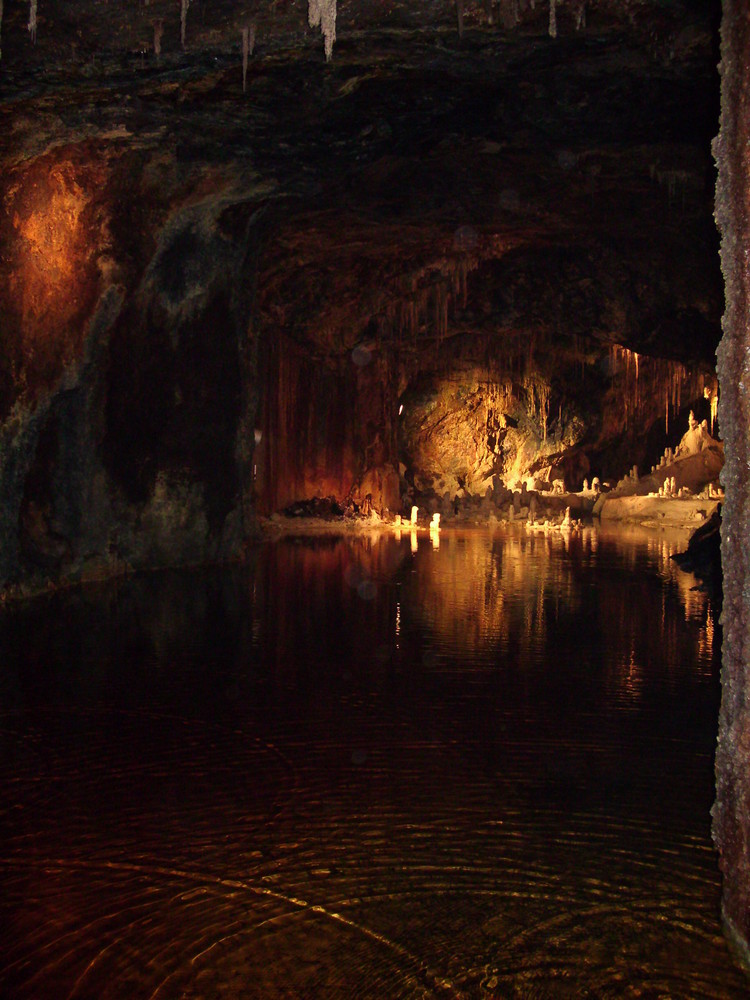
[{"x": 351, "y": 769}]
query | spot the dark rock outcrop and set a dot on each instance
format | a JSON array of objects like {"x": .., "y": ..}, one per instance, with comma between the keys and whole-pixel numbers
[{"x": 732, "y": 808}]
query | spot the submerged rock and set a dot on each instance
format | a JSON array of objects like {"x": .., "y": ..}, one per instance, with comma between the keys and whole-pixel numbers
[
  {"x": 321, "y": 507},
  {"x": 703, "y": 554}
]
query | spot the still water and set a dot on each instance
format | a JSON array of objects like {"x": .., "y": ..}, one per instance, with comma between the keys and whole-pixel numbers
[{"x": 367, "y": 767}]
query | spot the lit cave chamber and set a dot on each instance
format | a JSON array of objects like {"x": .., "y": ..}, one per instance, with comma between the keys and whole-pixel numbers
[{"x": 374, "y": 498}]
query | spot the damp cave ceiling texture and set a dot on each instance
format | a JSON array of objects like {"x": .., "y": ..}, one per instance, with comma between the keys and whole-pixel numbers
[{"x": 572, "y": 175}]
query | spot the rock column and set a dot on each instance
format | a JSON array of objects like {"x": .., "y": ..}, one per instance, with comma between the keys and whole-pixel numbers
[{"x": 731, "y": 814}]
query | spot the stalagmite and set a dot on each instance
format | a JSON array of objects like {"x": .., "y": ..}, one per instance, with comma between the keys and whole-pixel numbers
[
  {"x": 553, "y": 18},
  {"x": 322, "y": 14},
  {"x": 32, "y": 20},
  {"x": 184, "y": 4}
]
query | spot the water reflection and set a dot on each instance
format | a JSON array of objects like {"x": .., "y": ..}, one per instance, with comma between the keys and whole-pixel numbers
[{"x": 370, "y": 767}]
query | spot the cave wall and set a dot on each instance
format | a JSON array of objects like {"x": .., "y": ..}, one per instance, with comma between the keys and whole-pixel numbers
[
  {"x": 128, "y": 371},
  {"x": 218, "y": 281},
  {"x": 325, "y": 427},
  {"x": 731, "y": 814}
]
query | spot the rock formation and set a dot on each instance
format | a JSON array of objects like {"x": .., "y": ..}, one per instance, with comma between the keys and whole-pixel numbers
[{"x": 732, "y": 808}]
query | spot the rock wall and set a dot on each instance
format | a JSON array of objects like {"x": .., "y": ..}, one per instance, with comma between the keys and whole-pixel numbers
[
  {"x": 325, "y": 426},
  {"x": 218, "y": 282},
  {"x": 128, "y": 368},
  {"x": 732, "y": 148}
]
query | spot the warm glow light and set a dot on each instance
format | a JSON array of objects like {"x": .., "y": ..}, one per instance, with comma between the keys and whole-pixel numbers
[
  {"x": 50, "y": 249},
  {"x": 54, "y": 263},
  {"x": 644, "y": 378}
]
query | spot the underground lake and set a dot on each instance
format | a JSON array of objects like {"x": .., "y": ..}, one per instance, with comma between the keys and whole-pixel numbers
[{"x": 477, "y": 763}]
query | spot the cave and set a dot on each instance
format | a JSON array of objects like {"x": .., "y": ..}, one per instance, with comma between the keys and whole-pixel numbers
[{"x": 274, "y": 268}]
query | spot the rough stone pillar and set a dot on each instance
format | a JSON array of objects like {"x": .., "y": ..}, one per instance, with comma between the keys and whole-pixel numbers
[{"x": 731, "y": 814}]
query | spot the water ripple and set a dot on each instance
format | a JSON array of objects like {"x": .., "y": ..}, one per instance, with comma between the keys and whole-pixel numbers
[{"x": 415, "y": 801}]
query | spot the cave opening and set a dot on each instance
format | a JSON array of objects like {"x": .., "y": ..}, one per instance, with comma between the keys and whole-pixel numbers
[{"x": 271, "y": 280}]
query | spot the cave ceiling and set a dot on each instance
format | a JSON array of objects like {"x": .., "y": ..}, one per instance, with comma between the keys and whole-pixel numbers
[{"x": 453, "y": 172}]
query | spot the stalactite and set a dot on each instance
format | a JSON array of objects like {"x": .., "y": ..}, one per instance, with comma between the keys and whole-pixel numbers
[
  {"x": 489, "y": 12},
  {"x": 322, "y": 14},
  {"x": 184, "y": 4},
  {"x": 32, "y": 20},
  {"x": 642, "y": 379},
  {"x": 553, "y": 18},
  {"x": 581, "y": 15},
  {"x": 248, "y": 44},
  {"x": 538, "y": 394},
  {"x": 460, "y": 17},
  {"x": 158, "y": 33},
  {"x": 1, "y": 28}
]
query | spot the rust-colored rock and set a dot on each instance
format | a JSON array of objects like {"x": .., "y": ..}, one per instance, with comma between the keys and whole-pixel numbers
[{"x": 53, "y": 223}]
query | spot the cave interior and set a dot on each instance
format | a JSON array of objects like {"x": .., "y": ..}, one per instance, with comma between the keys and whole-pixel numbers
[{"x": 255, "y": 254}]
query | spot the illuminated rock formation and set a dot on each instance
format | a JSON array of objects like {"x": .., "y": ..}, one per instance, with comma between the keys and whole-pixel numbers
[{"x": 424, "y": 230}]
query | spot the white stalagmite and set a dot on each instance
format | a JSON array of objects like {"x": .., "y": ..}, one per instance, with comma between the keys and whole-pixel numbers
[
  {"x": 322, "y": 14},
  {"x": 32, "y": 20},
  {"x": 184, "y": 4},
  {"x": 553, "y": 18}
]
